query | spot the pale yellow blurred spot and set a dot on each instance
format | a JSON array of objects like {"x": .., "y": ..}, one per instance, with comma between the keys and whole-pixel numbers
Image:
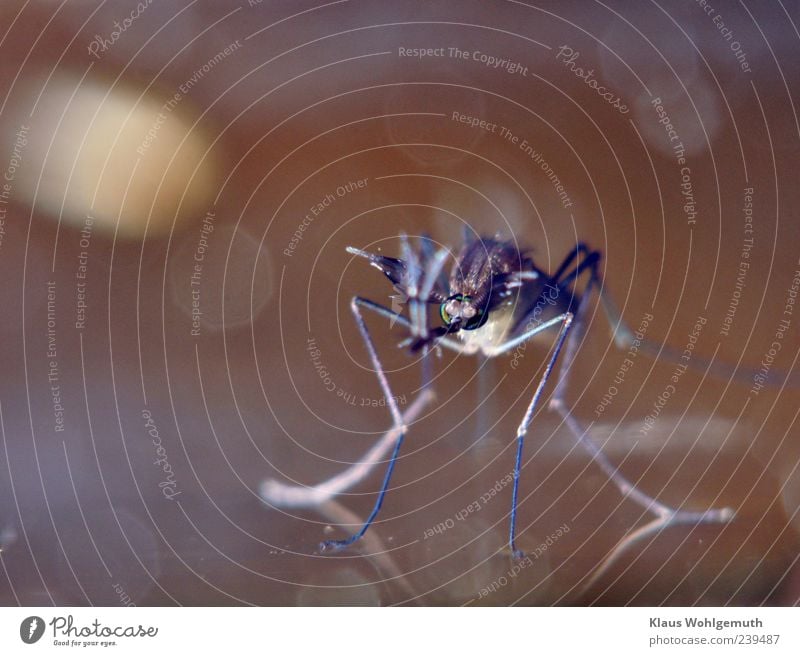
[{"x": 106, "y": 140}]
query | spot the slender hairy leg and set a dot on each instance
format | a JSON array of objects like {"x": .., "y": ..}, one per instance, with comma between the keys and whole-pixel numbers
[
  {"x": 382, "y": 559},
  {"x": 397, "y": 420},
  {"x": 580, "y": 247},
  {"x": 423, "y": 293},
  {"x": 565, "y": 320},
  {"x": 411, "y": 280},
  {"x": 281, "y": 495},
  {"x": 419, "y": 284},
  {"x": 624, "y": 337},
  {"x": 665, "y": 516},
  {"x": 436, "y": 262}
]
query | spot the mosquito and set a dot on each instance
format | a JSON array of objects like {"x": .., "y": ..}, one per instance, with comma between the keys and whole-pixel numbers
[{"x": 494, "y": 299}]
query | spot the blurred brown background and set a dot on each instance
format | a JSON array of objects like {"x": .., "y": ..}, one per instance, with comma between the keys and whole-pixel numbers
[{"x": 142, "y": 141}]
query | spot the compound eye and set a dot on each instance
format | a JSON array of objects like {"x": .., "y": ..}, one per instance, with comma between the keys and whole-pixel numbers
[
  {"x": 476, "y": 321},
  {"x": 447, "y": 318},
  {"x": 452, "y": 308},
  {"x": 460, "y": 307}
]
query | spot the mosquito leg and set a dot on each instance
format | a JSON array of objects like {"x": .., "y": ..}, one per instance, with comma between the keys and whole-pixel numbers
[
  {"x": 665, "y": 516},
  {"x": 445, "y": 341},
  {"x": 590, "y": 262},
  {"x": 557, "y": 403},
  {"x": 434, "y": 265},
  {"x": 398, "y": 425},
  {"x": 281, "y": 495},
  {"x": 580, "y": 247},
  {"x": 338, "y": 544},
  {"x": 428, "y": 253},
  {"x": 412, "y": 280},
  {"x": 377, "y": 308},
  {"x": 625, "y": 487},
  {"x": 419, "y": 285},
  {"x": 435, "y": 260},
  {"x": 566, "y": 321},
  {"x": 382, "y": 559},
  {"x": 651, "y": 530},
  {"x": 624, "y": 338}
]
